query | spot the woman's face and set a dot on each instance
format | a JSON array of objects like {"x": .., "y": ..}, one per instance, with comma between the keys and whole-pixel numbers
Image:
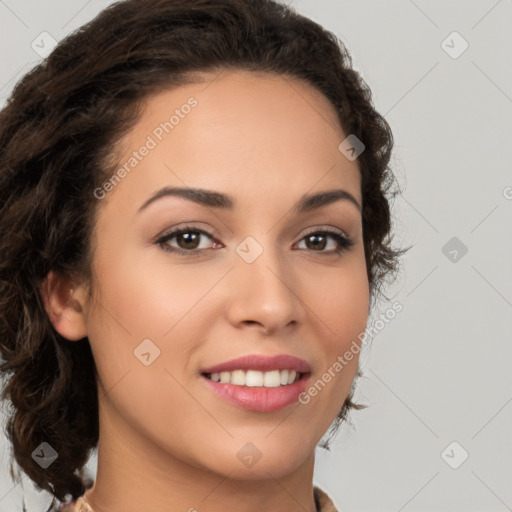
[{"x": 256, "y": 278}]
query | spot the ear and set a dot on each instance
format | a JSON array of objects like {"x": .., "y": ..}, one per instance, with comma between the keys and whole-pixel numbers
[{"x": 64, "y": 303}]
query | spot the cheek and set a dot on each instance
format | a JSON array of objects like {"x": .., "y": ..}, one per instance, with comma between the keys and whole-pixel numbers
[
  {"x": 340, "y": 301},
  {"x": 148, "y": 298},
  {"x": 340, "y": 312}
]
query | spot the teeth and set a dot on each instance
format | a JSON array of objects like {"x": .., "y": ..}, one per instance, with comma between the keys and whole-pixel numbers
[
  {"x": 225, "y": 377},
  {"x": 238, "y": 378},
  {"x": 271, "y": 379},
  {"x": 255, "y": 378},
  {"x": 252, "y": 378}
]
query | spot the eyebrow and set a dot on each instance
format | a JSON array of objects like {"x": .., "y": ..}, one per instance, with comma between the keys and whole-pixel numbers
[{"x": 306, "y": 203}]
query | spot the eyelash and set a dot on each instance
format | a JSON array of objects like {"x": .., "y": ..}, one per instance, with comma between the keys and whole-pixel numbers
[{"x": 344, "y": 242}]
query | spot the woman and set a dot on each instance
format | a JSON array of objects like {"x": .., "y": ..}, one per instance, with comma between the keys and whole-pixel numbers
[{"x": 195, "y": 223}]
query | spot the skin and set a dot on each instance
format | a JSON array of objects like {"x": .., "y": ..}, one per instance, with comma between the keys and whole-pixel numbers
[{"x": 166, "y": 441}]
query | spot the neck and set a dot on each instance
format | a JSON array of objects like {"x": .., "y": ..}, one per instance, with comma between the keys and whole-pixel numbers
[
  {"x": 134, "y": 474},
  {"x": 195, "y": 491}
]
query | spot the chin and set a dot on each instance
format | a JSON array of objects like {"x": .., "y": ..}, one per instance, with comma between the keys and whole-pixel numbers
[
  {"x": 264, "y": 459},
  {"x": 260, "y": 471}
]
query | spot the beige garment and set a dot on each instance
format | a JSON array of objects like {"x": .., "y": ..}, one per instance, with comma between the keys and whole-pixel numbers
[
  {"x": 323, "y": 501},
  {"x": 76, "y": 506}
]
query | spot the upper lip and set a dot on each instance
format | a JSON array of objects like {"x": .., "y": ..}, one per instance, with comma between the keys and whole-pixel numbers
[{"x": 261, "y": 363}]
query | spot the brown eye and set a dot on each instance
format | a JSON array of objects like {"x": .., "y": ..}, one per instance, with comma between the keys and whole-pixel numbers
[
  {"x": 187, "y": 241},
  {"x": 317, "y": 241}
]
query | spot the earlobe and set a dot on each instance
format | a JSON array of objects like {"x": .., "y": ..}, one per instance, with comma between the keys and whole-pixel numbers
[{"x": 64, "y": 309}]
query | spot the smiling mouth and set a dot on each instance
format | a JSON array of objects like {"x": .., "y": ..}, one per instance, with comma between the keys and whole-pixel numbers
[{"x": 256, "y": 378}]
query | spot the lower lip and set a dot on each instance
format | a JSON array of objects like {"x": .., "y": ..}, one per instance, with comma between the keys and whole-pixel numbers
[{"x": 259, "y": 399}]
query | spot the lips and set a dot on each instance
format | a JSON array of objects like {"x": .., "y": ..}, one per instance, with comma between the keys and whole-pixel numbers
[
  {"x": 261, "y": 363},
  {"x": 258, "y": 397}
]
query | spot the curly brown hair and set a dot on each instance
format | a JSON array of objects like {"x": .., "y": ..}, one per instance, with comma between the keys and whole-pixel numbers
[{"x": 58, "y": 132}]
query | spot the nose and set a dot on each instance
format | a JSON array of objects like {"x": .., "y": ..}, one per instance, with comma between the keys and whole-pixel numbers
[{"x": 264, "y": 294}]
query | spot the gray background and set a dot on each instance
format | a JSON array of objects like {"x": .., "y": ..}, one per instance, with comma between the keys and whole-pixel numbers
[{"x": 440, "y": 371}]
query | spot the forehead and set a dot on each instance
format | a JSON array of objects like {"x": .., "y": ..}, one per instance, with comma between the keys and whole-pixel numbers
[{"x": 240, "y": 130}]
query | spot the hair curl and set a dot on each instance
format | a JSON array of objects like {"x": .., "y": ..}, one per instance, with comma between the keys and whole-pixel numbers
[{"x": 57, "y": 134}]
